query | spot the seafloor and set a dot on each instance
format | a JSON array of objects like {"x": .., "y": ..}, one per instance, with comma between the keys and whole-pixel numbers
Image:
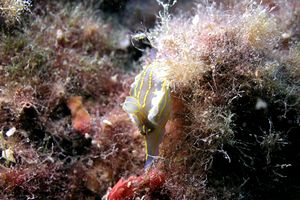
[{"x": 232, "y": 72}]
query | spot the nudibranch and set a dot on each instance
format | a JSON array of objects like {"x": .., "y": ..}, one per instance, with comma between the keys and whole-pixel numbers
[{"x": 149, "y": 107}]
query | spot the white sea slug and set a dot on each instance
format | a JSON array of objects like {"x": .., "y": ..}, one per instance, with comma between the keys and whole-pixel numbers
[{"x": 149, "y": 107}]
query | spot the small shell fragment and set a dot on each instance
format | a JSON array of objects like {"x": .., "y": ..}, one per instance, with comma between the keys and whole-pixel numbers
[
  {"x": 107, "y": 122},
  {"x": 129, "y": 184},
  {"x": 8, "y": 155},
  {"x": 87, "y": 136},
  {"x": 260, "y": 104},
  {"x": 114, "y": 78},
  {"x": 11, "y": 131}
]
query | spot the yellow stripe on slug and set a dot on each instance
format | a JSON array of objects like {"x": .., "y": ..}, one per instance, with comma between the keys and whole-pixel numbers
[
  {"x": 142, "y": 82},
  {"x": 149, "y": 88},
  {"x": 137, "y": 85}
]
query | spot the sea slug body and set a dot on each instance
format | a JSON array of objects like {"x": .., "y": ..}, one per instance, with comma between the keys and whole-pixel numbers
[{"x": 149, "y": 107}]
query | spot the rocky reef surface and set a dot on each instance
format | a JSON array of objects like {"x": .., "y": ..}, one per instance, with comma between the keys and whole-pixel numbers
[{"x": 232, "y": 68}]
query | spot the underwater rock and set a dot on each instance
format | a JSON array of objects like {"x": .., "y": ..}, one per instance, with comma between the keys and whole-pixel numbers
[
  {"x": 233, "y": 73},
  {"x": 135, "y": 185},
  {"x": 81, "y": 120}
]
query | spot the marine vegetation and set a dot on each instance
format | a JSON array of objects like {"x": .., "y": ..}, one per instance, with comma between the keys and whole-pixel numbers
[{"x": 149, "y": 99}]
